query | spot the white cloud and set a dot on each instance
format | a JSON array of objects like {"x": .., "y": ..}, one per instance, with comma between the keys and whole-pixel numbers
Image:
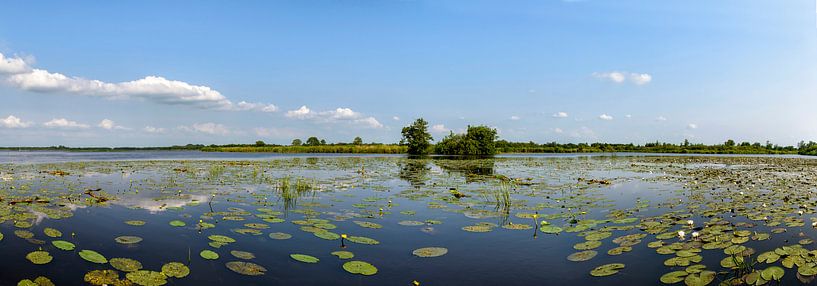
[
  {"x": 439, "y": 128},
  {"x": 560, "y": 114},
  {"x": 151, "y": 129},
  {"x": 692, "y": 126},
  {"x": 558, "y": 130},
  {"x": 605, "y": 117},
  {"x": 207, "y": 128},
  {"x": 395, "y": 118},
  {"x": 583, "y": 132},
  {"x": 621, "y": 77},
  {"x": 332, "y": 116},
  {"x": 65, "y": 123},
  {"x": 628, "y": 116},
  {"x": 151, "y": 88},
  {"x": 13, "y": 65},
  {"x": 660, "y": 118},
  {"x": 13, "y": 122},
  {"x": 108, "y": 124},
  {"x": 515, "y": 117}
]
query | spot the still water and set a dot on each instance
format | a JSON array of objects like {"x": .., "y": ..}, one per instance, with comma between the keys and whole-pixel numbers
[{"x": 511, "y": 220}]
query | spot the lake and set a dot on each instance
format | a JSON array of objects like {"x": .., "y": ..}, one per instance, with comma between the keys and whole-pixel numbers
[{"x": 193, "y": 218}]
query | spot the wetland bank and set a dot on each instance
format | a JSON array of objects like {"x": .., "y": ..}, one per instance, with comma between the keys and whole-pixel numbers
[{"x": 390, "y": 220}]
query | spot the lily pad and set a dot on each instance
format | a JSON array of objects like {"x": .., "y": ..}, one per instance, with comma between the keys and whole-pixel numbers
[
  {"x": 582, "y": 255},
  {"x": 280, "y": 235},
  {"x": 607, "y": 269},
  {"x": 246, "y": 268},
  {"x": 53, "y": 233},
  {"x": 242, "y": 254},
  {"x": 304, "y": 258},
  {"x": 773, "y": 273},
  {"x": 125, "y": 264},
  {"x": 127, "y": 239},
  {"x": 430, "y": 251},
  {"x": 39, "y": 257},
  {"x": 147, "y": 278},
  {"x": 63, "y": 245},
  {"x": 102, "y": 277},
  {"x": 360, "y": 267},
  {"x": 93, "y": 256},
  {"x": 343, "y": 254},
  {"x": 177, "y": 223},
  {"x": 175, "y": 269},
  {"x": 208, "y": 254}
]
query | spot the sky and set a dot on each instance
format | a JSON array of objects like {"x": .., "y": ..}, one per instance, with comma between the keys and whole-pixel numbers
[{"x": 158, "y": 73}]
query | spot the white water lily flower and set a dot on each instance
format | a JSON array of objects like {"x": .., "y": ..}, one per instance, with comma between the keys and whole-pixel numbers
[
  {"x": 690, "y": 222},
  {"x": 681, "y": 234},
  {"x": 695, "y": 234}
]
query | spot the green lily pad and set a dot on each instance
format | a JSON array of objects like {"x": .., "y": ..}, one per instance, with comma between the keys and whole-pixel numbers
[
  {"x": 125, "y": 264},
  {"x": 242, "y": 254},
  {"x": 343, "y": 254},
  {"x": 430, "y": 251},
  {"x": 304, "y": 258},
  {"x": 673, "y": 277},
  {"x": 221, "y": 238},
  {"x": 127, "y": 239},
  {"x": 175, "y": 269},
  {"x": 39, "y": 257},
  {"x": 360, "y": 267},
  {"x": 582, "y": 255},
  {"x": 135, "y": 222},
  {"x": 362, "y": 240},
  {"x": 607, "y": 269},
  {"x": 147, "y": 278},
  {"x": 53, "y": 233},
  {"x": 773, "y": 273},
  {"x": 246, "y": 268},
  {"x": 700, "y": 279},
  {"x": 93, "y": 256},
  {"x": 177, "y": 223},
  {"x": 102, "y": 277},
  {"x": 367, "y": 224},
  {"x": 280, "y": 235},
  {"x": 63, "y": 245},
  {"x": 208, "y": 254}
]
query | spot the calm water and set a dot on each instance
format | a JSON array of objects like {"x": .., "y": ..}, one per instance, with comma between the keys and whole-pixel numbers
[{"x": 233, "y": 190}]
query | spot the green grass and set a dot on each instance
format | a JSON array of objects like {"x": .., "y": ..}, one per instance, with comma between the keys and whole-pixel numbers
[{"x": 355, "y": 149}]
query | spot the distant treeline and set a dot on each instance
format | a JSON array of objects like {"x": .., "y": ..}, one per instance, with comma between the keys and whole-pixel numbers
[
  {"x": 809, "y": 148},
  {"x": 328, "y": 148},
  {"x": 106, "y": 149},
  {"x": 729, "y": 147}
]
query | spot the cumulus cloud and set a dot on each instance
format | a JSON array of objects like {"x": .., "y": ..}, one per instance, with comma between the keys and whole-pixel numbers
[
  {"x": 151, "y": 129},
  {"x": 206, "y": 128},
  {"x": 660, "y": 118},
  {"x": 395, "y": 118},
  {"x": 558, "y": 130},
  {"x": 13, "y": 122},
  {"x": 17, "y": 73},
  {"x": 12, "y": 65},
  {"x": 439, "y": 128},
  {"x": 692, "y": 126},
  {"x": 65, "y": 124},
  {"x": 514, "y": 117},
  {"x": 333, "y": 116},
  {"x": 108, "y": 124},
  {"x": 605, "y": 117},
  {"x": 560, "y": 114},
  {"x": 621, "y": 77}
]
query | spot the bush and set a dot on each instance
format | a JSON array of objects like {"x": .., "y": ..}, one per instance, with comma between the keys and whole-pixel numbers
[{"x": 478, "y": 140}]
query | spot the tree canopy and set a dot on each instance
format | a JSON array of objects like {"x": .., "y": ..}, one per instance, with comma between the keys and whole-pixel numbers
[
  {"x": 417, "y": 138},
  {"x": 478, "y": 140}
]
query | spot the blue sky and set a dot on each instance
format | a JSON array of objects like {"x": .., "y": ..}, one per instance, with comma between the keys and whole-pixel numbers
[{"x": 145, "y": 73}]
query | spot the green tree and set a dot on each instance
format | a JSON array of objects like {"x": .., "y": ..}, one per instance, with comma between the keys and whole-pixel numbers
[
  {"x": 323, "y": 142},
  {"x": 260, "y": 143},
  {"x": 313, "y": 141},
  {"x": 417, "y": 138},
  {"x": 296, "y": 142},
  {"x": 357, "y": 141},
  {"x": 729, "y": 143},
  {"x": 478, "y": 140}
]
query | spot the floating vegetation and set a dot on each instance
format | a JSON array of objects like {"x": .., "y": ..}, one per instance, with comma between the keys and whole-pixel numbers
[
  {"x": 128, "y": 239},
  {"x": 607, "y": 269},
  {"x": 125, "y": 264},
  {"x": 63, "y": 245},
  {"x": 93, "y": 256},
  {"x": 177, "y": 223},
  {"x": 430, "y": 252},
  {"x": 280, "y": 235},
  {"x": 362, "y": 240},
  {"x": 175, "y": 270},
  {"x": 147, "y": 278},
  {"x": 343, "y": 254},
  {"x": 135, "y": 222},
  {"x": 360, "y": 267},
  {"x": 582, "y": 255},
  {"x": 242, "y": 254},
  {"x": 246, "y": 268},
  {"x": 102, "y": 277},
  {"x": 39, "y": 257},
  {"x": 208, "y": 254},
  {"x": 53, "y": 233},
  {"x": 304, "y": 258}
]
